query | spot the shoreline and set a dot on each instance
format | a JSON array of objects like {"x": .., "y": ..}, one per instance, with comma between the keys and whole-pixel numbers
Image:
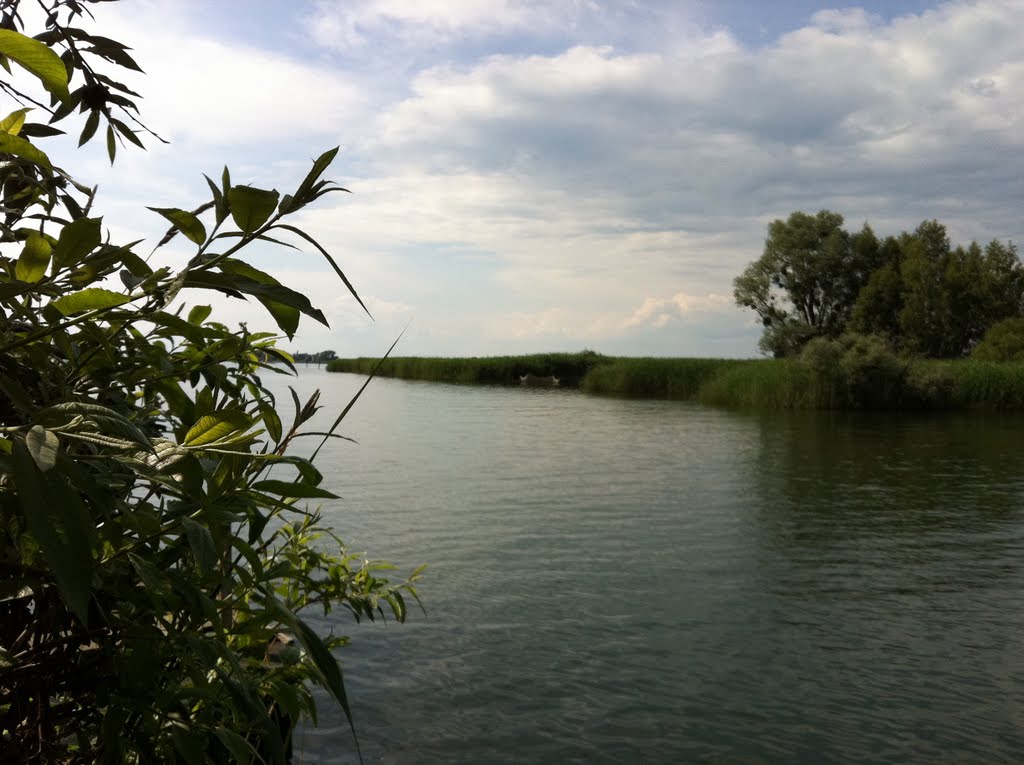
[{"x": 913, "y": 384}]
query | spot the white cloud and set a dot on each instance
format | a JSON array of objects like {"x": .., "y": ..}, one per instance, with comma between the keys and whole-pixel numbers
[
  {"x": 207, "y": 91},
  {"x": 579, "y": 173}
]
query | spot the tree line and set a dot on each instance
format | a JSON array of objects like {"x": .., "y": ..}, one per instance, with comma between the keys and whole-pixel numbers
[
  {"x": 924, "y": 296},
  {"x": 321, "y": 357}
]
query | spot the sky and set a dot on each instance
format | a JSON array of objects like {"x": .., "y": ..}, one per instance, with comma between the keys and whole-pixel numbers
[{"x": 532, "y": 176}]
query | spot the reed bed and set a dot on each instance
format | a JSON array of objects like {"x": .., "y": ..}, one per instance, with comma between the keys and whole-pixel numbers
[
  {"x": 972, "y": 384},
  {"x": 570, "y": 368},
  {"x": 735, "y": 383},
  {"x": 655, "y": 377}
]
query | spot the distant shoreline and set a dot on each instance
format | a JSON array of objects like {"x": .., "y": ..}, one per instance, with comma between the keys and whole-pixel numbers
[{"x": 919, "y": 384}]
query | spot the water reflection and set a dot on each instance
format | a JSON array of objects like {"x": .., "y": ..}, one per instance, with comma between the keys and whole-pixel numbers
[
  {"x": 891, "y": 557},
  {"x": 629, "y": 581}
]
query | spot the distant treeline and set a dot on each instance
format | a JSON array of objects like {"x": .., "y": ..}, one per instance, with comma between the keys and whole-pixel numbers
[
  {"x": 314, "y": 358},
  {"x": 852, "y": 372}
]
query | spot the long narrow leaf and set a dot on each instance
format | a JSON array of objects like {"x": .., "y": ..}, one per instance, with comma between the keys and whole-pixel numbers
[
  {"x": 334, "y": 265},
  {"x": 355, "y": 398}
]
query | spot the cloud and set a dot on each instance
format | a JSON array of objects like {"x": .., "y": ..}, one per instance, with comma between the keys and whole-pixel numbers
[
  {"x": 212, "y": 92},
  {"x": 601, "y": 173},
  {"x": 369, "y": 27},
  {"x": 585, "y": 172},
  {"x": 661, "y": 312}
]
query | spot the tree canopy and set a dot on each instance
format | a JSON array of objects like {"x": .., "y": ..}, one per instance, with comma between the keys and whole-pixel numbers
[
  {"x": 814, "y": 279},
  {"x": 155, "y": 575}
]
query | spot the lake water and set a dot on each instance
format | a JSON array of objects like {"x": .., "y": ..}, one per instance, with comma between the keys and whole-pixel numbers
[{"x": 647, "y": 581}]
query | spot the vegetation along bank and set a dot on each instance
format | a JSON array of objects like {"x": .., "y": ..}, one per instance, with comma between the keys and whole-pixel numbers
[
  {"x": 851, "y": 321},
  {"x": 854, "y": 372}
]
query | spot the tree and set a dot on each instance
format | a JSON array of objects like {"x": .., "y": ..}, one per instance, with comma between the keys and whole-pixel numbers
[
  {"x": 149, "y": 562},
  {"x": 950, "y": 297},
  {"x": 807, "y": 280},
  {"x": 877, "y": 308}
]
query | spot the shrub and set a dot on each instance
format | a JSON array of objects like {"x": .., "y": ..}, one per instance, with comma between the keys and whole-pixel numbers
[
  {"x": 856, "y": 371},
  {"x": 1004, "y": 341},
  {"x": 148, "y": 560}
]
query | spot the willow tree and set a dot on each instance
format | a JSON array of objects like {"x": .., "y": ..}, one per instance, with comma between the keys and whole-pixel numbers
[
  {"x": 148, "y": 562},
  {"x": 807, "y": 280}
]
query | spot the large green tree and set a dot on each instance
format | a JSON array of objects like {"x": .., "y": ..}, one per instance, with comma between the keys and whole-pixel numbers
[
  {"x": 916, "y": 289},
  {"x": 152, "y": 567},
  {"x": 936, "y": 300},
  {"x": 807, "y": 280}
]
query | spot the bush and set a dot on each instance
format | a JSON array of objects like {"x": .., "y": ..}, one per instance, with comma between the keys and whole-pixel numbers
[
  {"x": 148, "y": 560},
  {"x": 1004, "y": 341},
  {"x": 856, "y": 371}
]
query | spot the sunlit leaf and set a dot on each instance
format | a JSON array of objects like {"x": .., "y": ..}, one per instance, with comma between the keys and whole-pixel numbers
[
  {"x": 34, "y": 258},
  {"x": 214, "y": 427},
  {"x": 14, "y": 121},
  {"x": 199, "y": 314},
  {"x": 91, "y": 299},
  {"x": 38, "y": 59},
  {"x": 19, "y": 147}
]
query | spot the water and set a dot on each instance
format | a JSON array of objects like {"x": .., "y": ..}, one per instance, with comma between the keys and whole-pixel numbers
[{"x": 642, "y": 581}]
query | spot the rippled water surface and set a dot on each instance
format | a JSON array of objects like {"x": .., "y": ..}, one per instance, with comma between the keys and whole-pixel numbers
[{"x": 638, "y": 581}]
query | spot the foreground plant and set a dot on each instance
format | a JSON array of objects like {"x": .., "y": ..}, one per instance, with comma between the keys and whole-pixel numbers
[{"x": 149, "y": 559}]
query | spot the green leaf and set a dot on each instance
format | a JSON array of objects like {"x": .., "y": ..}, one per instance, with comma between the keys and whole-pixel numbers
[
  {"x": 271, "y": 420},
  {"x": 327, "y": 255},
  {"x": 293, "y": 490},
  {"x": 91, "y": 123},
  {"x": 352, "y": 401},
  {"x": 219, "y": 207},
  {"x": 240, "y": 749},
  {"x": 37, "y": 130},
  {"x": 329, "y": 667},
  {"x": 60, "y": 524},
  {"x": 76, "y": 241},
  {"x": 105, "y": 420},
  {"x": 251, "y": 207},
  {"x": 184, "y": 221},
  {"x": 236, "y": 285},
  {"x": 216, "y": 426},
  {"x": 38, "y": 59},
  {"x": 111, "y": 143},
  {"x": 199, "y": 314},
  {"x": 91, "y": 299},
  {"x": 201, "y": 541},
  {"x": 34, "y": 258},
  {"x": 301, "y": 195},
  {"x": 19, "y": 147},
  {"x": 43, "y": 446},
  {"x": 14, "y": 121},
  {"x": 127, "y": 132},
  {"x": 286, "y": 316}
]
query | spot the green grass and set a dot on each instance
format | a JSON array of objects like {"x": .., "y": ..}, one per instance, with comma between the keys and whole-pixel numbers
[{"x": 735, "y": 383}]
